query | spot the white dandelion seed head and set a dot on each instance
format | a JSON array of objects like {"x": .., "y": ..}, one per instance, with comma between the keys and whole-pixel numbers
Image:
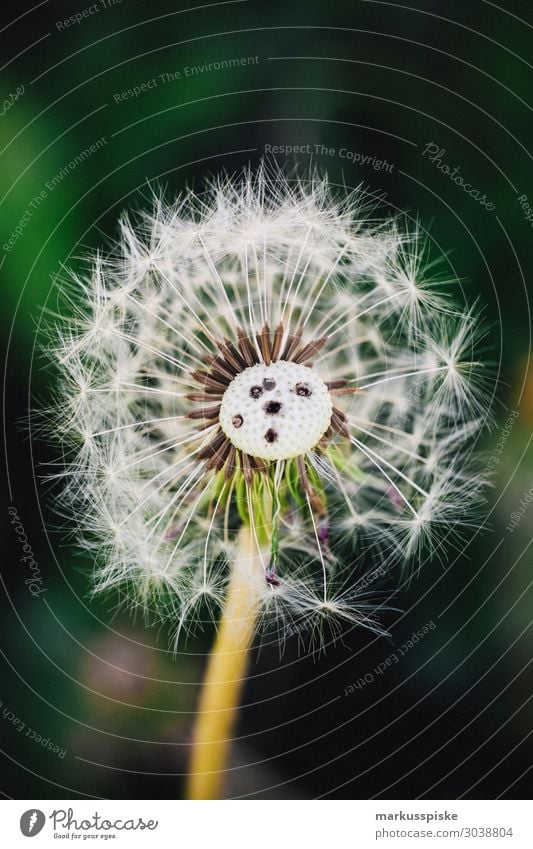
[{"x": 263, "y": 353}]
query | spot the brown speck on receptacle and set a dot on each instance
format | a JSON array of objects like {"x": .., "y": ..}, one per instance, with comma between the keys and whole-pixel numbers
[
  {"x": 271, "y": 435},
  {"x": 302, "y": 390},
  {"x": 272, "y": 408},
  {"x": 256, "y": 391},
  {"x": 269, "y": 383},
  {"x": 237, "y": 420}
]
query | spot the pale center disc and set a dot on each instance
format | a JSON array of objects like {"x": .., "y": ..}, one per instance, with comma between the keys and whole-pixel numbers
[{"x": 276, "y": 412}]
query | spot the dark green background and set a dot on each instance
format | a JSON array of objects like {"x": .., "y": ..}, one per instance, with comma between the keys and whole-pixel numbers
[{"x": 381, "y": 79}]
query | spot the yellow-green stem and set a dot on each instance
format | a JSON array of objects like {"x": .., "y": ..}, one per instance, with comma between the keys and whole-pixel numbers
[{"x": 226, "y": 669}]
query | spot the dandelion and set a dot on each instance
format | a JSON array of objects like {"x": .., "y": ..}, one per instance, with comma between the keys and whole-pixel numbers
[{"x": 254, "y": 377}]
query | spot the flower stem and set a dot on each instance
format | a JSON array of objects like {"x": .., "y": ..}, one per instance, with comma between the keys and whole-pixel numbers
[{"x": 226, "y": 668}]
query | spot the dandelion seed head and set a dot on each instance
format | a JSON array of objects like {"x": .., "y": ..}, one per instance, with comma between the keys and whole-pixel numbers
[{"x": 267, "y": 354}]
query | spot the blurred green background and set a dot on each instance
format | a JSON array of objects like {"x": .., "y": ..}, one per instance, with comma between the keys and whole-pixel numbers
[{"x": 102, "y": 101}]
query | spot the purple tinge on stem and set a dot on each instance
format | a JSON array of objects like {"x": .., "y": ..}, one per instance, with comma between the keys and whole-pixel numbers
[
  {"x": 272, "y": 579},
  {"x": 395, "y": 498},
  {"x": 173, "y": 531},
  {"x": 323, "y": 531}
]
